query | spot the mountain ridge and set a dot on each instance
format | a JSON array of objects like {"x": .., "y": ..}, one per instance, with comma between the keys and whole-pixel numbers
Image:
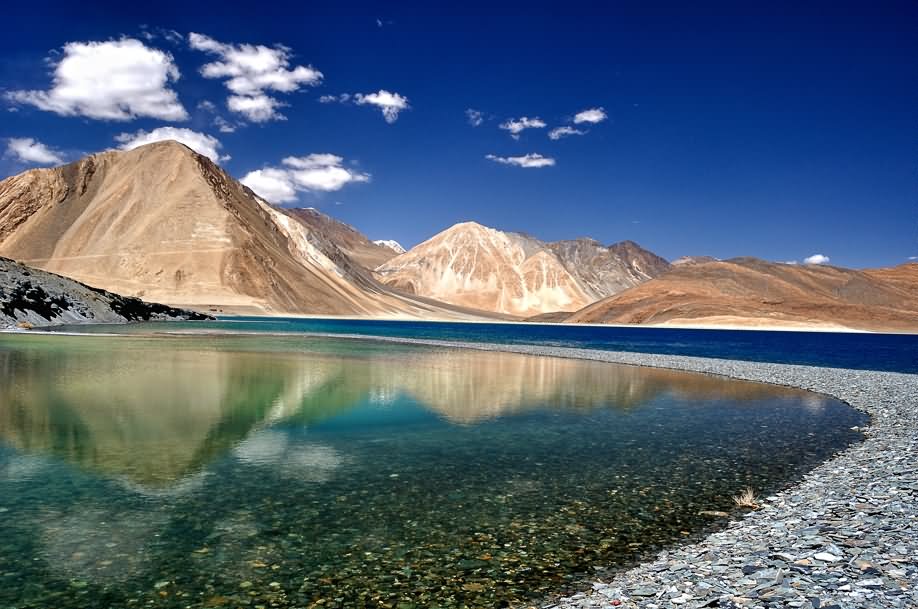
[
  {"x": 515, "y": 273},
  {"x": 749, "y": 292}
]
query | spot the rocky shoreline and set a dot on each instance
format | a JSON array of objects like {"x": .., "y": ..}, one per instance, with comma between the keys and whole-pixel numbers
[{"x": 845, "y": 537}]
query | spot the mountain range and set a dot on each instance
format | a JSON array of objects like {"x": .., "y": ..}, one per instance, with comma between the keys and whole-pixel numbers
[
  {"x": 483, "y": 268},
  {"x": 164, "y": 223}
]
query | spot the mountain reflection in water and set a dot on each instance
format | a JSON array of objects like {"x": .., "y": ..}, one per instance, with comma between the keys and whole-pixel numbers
[
  {"x": 156, "y": 411},
  {"x": 296, "y": 472}
]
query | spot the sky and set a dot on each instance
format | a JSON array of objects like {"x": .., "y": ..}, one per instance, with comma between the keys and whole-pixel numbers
[{"x": 785, "y": 131}]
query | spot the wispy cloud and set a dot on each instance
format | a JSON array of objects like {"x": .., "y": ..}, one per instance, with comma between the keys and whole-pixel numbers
[
  {"x": 112, "y": 80},
  {"x": 220, "y": 123},
  {"x": 528, "y": 161},
  {"x": 314, "y": 172},
  {"x": 816, "y": 259},
  {"x": 171, "y": 36},
  {"x": 250, "y": 71},
  {"x": 474, "y": 117},
  {"x": 330, "y": 99},
  {"x": 558, "y": 132},
  {"x": 201, "y": 143},
  {"x": 590, "y": 115},
  {"x": 390, "y": 103},
  {"x": 29, "y": 150},
  {"x": 517, "y": 125}
]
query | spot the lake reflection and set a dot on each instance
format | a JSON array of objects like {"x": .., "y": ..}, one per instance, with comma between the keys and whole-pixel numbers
[{"x": 221, "y": 470}]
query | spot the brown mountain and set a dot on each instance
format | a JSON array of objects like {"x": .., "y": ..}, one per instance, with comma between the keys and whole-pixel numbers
[
  {"x": 352, "y": 242},
  {"x": 904, "y": 276},
  {"x": 606, "y": 270},
  {"x": 752, "y": 292},
  {"x": 165, "y": 223},
  {"x": 475, "y": 266}
]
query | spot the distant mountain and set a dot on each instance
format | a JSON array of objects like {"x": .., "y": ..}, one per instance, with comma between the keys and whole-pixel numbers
[
  {"x": 369, "y": 254},
  {"x": 693, "y": 260},
  {"x": 33, "y": 297},
  {"x": 165, "y": 223},
  {"x": 904, "y": 276},
  {"x": 752, "y": 292},
  {"x": 391, "y": 244},
  {"x": 475, "y": 266},
  {"x": 603, "y": 271}
]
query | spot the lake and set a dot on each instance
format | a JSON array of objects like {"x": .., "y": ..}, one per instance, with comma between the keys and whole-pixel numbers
[
  {"x": 247, "y": 470},
  {"x": 859, "y": 350}
]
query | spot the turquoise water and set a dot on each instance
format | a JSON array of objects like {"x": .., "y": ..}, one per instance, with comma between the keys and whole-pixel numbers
[{"x": 213, "y": 471}]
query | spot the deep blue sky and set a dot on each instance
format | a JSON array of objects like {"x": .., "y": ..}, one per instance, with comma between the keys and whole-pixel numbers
[{"x": 778, "y": 133}]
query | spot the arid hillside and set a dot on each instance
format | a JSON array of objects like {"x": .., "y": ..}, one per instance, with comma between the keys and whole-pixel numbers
[
  {"x": 352, "y": 242},
  {"x": 748, "y": 292},
  {"x": 484, "y": 268}
]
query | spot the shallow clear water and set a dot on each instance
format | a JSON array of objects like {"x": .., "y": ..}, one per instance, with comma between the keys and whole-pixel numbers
[{"x": 284, "y": 471}]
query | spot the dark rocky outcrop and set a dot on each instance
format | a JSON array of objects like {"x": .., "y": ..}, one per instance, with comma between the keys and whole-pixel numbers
[{"x": 31, "y": 297}]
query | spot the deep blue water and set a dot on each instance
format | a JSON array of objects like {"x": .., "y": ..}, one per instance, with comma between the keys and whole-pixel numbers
[{"x": 889, "y": 352}]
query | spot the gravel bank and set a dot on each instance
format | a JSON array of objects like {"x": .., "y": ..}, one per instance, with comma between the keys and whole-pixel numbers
[{"x": 844, "y": 537}]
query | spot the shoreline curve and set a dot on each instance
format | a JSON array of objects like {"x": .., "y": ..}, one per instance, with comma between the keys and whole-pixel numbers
[{"x": 845, "y": 536}]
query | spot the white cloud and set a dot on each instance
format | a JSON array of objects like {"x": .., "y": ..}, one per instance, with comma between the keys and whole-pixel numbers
[
  {"x": 314, "y": 172},
  {"x": 516, "y": 125},
  {"x": 28, "y": 150},
  {"x": 913, "y": 257},
  {"x": 475, "y": 117},
  {"x": 112, "y": 80},
  {"x": 390, "y": 103},
  {"x": 272, "y": 184},
  {"x": 816, "y": 259},
  {"x": 322, "y": 172},
  {"x": 201, "y": 143},
  {"x": 531, "y": 160},
  {"x": 250, "y": 70},
  {"x": 591, "y": 115},
  {"x": 257, "y": 108},
  {"x": 558, "y": 132}
]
